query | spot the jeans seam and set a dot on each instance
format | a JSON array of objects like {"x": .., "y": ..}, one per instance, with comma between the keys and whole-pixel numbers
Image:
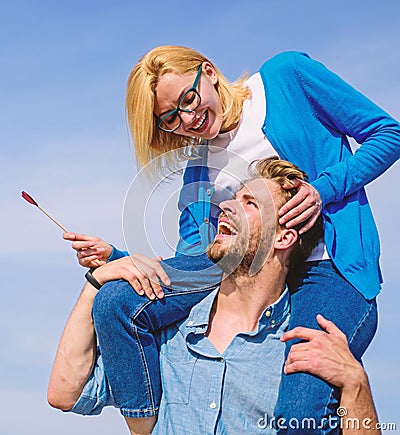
[
  {"x": 362, "y": 321},
  {"x": 134, "y": 413},
  {"x": 326, "y": 409},
  {"x": 145, "y": 369},
  {"x": 141, "y": 307}
]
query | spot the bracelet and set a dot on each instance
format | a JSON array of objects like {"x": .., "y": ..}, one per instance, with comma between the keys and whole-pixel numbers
[{"x": 92, "y": 280}]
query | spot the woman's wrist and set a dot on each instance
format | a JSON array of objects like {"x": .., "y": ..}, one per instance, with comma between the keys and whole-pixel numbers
[
  {"x": 98, "y": 275},
  {"x": 92, "y": 280}
]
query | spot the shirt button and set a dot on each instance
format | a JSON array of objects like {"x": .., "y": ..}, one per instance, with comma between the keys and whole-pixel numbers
[
  {"x": 221, "y": 360},
  {"x": 208, "y": 192},
  {"x": 268, "y": 313},
  {"x": 213, "y": 405},
  {"x": 273, "y": 322},
  {"x": 206, "y": 220},
  {"x": 190, "y": 323}
]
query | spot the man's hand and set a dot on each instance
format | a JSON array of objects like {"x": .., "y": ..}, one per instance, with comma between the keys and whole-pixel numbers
[
  {"x": 142, "y": 273},
  {"x": 325, "y": 354},
  {"x": 91, "y": 251},
  {"x": 305, "y": 206}
]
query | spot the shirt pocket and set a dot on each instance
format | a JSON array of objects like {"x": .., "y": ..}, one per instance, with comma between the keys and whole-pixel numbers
[{"x": 176, "y": 380}]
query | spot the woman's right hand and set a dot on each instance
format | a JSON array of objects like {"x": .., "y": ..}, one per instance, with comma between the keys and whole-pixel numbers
[
  {"x": 142, "y": 273},
  {"x": 91, "y": 251}
]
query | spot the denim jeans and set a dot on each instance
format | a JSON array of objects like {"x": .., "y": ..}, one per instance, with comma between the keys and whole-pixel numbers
[
  {"x": 125, "y": 324},
  {"x": 320, "y": 289}
]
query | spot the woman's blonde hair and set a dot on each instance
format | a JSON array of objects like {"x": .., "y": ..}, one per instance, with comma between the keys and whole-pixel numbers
[{"x": 149, "y": 141}]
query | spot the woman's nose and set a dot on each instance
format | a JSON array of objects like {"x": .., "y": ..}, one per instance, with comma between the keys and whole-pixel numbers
[{"x": 187, "y": 117}]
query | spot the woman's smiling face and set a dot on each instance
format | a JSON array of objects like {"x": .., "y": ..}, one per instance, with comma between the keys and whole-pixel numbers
[{"x": 204, "y": 122}]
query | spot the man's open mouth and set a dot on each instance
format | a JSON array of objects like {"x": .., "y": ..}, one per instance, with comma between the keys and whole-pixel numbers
[{"x": 225, "y": 228}]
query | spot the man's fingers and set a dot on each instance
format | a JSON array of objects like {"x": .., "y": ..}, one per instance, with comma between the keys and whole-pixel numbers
[
  {"x": 300, "y": 332},
  {"x": 330, "y": 327},
  {"x": 298, "y": 366}
]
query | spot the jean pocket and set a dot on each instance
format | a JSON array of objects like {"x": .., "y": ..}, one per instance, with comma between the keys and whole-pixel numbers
[{"x": 177, "y": 380}]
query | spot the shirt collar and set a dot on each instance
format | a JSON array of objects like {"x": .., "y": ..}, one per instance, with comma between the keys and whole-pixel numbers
[{"x": 199, "y": 317}]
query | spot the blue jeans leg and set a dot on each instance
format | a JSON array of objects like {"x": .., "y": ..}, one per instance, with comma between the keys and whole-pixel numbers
[
  {"x": 319, "y": 288},
  {"x": 125, "y": 324}
]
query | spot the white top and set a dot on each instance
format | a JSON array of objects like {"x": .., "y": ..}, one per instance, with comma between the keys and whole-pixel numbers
[{"x": 231, "y": 153}]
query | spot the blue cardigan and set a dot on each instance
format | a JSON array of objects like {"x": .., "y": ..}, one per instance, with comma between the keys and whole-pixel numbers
[{"x": 310, "y": 111}]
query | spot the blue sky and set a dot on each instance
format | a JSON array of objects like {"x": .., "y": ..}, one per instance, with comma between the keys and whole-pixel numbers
[{"x": 64, "y": 139}]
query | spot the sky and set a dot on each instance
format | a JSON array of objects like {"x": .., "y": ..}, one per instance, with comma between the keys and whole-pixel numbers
[{"x": 64, "y": 139}]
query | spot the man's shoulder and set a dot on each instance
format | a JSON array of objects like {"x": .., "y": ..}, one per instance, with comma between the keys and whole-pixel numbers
[{"x": 199, "y": 316}]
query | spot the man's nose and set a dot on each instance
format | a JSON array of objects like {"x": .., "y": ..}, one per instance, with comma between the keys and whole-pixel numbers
[{"x": 228, "y": 206}]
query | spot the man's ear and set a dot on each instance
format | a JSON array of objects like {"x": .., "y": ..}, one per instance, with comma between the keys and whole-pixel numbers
[
  {"x": 210, "y": 72},
  {"x": 286, "y": 238}
]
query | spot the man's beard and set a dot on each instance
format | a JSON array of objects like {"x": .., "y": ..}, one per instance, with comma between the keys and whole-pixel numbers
[{"x": 244, "y": 256}]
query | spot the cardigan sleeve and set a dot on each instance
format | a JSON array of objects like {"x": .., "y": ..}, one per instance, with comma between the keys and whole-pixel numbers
[{"x": 343, "y": 109}]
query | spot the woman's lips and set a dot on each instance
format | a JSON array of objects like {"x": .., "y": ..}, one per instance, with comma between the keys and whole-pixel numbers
[{"x": 201, "y": 124}]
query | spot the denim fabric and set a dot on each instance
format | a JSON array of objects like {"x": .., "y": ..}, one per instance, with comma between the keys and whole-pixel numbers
[
  {"x": 319, "y": 289},
  {"x": 205, "y": 392},
  {"x": 125, "y": 324},
  {"x": 96, "y": 393}
]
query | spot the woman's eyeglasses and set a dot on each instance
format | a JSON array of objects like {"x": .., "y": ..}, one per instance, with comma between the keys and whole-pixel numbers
[{"x": 188, "y": 103}]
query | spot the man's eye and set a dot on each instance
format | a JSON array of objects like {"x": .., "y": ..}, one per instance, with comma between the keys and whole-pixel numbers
[{"x": 252, "y": 203}]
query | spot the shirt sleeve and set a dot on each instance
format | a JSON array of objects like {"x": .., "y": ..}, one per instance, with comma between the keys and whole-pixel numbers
[
  {"x": 342, "y": 108},
  {"x": 96, "y": 393},
  {"x": 116, "y": 253}
]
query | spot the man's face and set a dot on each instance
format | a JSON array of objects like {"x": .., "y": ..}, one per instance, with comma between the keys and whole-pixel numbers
[{"x": 246, "y": 228}]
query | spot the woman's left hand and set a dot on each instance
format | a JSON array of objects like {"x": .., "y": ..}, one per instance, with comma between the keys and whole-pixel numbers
[{"x": 305, "y": 206}]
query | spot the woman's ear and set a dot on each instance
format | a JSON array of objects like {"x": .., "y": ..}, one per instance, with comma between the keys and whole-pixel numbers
[
  {"x": 210, "y": 72},
  {"x": 286, "y": 238}
]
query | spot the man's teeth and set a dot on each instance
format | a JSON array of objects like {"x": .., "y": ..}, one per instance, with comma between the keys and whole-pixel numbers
[
  {"x": 200, "y": 122},
  {"x": 230, "y": 228}
]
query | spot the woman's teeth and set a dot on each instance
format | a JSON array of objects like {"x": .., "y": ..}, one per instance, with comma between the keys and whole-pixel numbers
[{"x": 200, "y": 123}]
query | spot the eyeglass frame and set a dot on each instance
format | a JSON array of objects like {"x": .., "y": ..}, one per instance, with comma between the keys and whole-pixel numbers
[{"x": 178, "y": 109}]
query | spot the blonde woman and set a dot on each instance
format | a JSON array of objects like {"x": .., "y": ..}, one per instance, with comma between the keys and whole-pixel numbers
[{"x": 292, "y": 107}]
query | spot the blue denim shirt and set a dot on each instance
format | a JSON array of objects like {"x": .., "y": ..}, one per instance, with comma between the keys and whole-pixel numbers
[{"x": 205, "y": 392}]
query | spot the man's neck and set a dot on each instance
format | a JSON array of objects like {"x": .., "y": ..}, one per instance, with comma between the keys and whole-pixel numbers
[{"x": 241, "y": 301}]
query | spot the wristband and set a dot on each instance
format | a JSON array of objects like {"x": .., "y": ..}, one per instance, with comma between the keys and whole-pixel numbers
[{"x": 92, "y": 280}]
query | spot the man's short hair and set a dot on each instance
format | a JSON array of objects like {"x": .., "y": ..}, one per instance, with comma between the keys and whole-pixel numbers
[{"x": 283, "y": 173}]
